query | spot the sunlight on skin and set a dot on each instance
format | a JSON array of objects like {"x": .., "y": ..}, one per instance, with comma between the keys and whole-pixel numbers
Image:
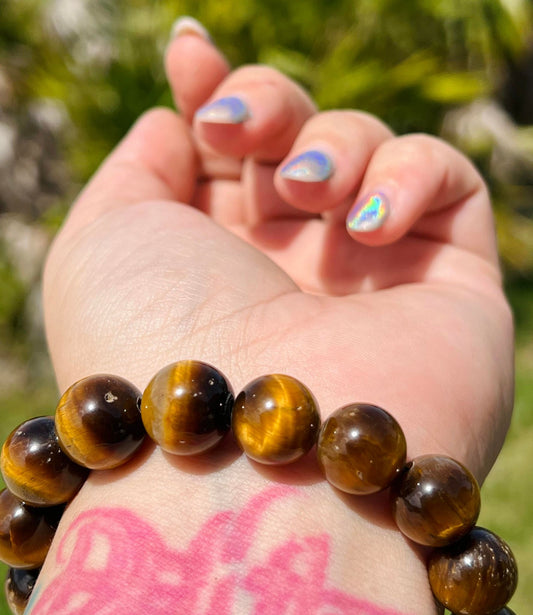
[{"x": 98, "y": 558}]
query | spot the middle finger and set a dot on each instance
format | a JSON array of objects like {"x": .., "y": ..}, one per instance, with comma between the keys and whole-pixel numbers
[{"x": 256, "y": 112}]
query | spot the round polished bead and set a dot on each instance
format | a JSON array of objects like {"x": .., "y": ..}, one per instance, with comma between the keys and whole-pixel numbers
[
  {"x": 186, "y": 407},
  {"x": 275, "y": 419},
  {"x": 18, "y": 587},
  {"x": 435, "y": 500},
  {"x": 361, "y": 448},
  {"x": 25, "y": 532},
  {"x": 98, "y": 421},
  {"x": 475, "y": 576},
  {"x": 34, "y": 467}
]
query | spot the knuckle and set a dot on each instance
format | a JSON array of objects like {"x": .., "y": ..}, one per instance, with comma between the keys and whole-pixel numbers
[
  {"x": 258, "y": 73},
  {"x": 348, "y": 122},
  {"x": 426, "y": 150},
  {"x": 421, "y": 148}
]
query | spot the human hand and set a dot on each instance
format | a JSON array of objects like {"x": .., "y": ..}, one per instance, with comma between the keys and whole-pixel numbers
[
  {"x": 411, "y": 316},
  {"x": 189, "y": 243}
]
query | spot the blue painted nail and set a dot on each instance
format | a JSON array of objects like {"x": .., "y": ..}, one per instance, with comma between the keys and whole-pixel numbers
[
  {"x": 369, "y": 213},
  {"x": 228, "y": 110},
  {"x": 311, "y": 166}
]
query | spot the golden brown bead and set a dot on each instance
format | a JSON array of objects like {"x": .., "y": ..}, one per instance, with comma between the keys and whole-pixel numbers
[
  {"x": 18, "y": 587},
  {"x": 186, "y": 407},
  {"x": 98, "y": 421},
  {"x": 275, "y": 419},
  {"x": 25, "y": 532},
  {"x": 361, "y": 448},
  {"x": 435, "y": 500},
  {"x": 475, "y": 576},
  {"x": 34, "y": 467}
]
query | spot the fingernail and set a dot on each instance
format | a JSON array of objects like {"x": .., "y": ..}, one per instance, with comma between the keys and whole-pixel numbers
[
  {"x": 369, "y": 214},
  {"x": 229, "y": 110},
  {"x": 310, "y": 166},
  {"x": 189, "y": 25}
]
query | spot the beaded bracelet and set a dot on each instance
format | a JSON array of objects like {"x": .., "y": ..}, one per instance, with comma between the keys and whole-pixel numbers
[{"x": 187, "y": 408}]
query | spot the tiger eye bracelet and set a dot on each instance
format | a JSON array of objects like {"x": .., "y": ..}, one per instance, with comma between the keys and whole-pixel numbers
[{"x": 187, "y": 408}]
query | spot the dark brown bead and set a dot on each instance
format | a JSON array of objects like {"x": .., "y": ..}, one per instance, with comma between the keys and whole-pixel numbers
[
  {"x": 98, "y": 421},
  {"x": 34, "y": 467},
  {"x": 475, "y": 576},
  {"x": 435, "y": 500},
  {"x": 361, "y": 448},
  {"x": 275, "y": 419},
  {"x": 26, "y": 533},
  {"x": 18, "y": 587},
  {"x": 186, "y": 407}
]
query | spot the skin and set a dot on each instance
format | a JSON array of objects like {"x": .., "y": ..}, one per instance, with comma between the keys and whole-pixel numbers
[{"x": 188, "y": 243}]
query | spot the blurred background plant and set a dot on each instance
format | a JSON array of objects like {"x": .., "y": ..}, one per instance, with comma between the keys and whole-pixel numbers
[{"x": 74, "y": 75}]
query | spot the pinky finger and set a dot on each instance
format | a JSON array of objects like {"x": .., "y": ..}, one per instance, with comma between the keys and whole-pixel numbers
[{"x": 419, "y": 185}]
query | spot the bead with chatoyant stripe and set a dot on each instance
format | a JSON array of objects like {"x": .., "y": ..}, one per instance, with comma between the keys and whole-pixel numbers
[
  {"x": 98, "y": 421},
  {"x": 275, "y": 419},
  {"x": 435, "y": 500},
  {"x": 18, "y": 587},
  {"x": 34, "y": 467},
  {"x": 26, "y": 532},
  {"x": 186, "y": 407},
  {"x": 475, "y": 576},
  {"x": 361, "y": 448}
]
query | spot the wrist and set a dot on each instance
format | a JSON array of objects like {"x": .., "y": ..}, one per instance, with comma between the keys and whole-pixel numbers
[
  {"x": 187, "y": 402},
  {"x": 244, "y": 526}
]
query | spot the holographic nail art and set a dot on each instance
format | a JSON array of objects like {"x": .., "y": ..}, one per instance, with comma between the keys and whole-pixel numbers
[
  {"x": 311, "y": 166},
  {"x": 369, "y": 214},
  {"x": 228, "y": 110},
  {"x": 189, "y": 25}
]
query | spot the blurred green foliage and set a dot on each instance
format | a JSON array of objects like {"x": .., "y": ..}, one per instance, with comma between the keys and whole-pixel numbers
[
  {"x": 407, "y": 62},
  {"x": 12, "y": 295},
  {"x": 414, "y": 64}
]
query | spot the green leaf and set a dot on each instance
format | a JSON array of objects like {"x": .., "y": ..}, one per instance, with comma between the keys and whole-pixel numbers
[{"x": 456, "y": 88}]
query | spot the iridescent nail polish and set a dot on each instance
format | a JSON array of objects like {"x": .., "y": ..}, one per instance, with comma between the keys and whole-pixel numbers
[
  {"x": 310, "y": 166},
  {"x": 189, "y": 25},
  {"x": 369, "y": 214},
  {"x": 228, "y": 110}
]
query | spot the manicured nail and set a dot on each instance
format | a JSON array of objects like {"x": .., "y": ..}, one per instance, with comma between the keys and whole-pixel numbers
[
  {"x": 189, "y": 25},
  {"x": 311, "y": 166},
  {"x": 229, "y": 110},
  {"x": 369, "y": 214}
]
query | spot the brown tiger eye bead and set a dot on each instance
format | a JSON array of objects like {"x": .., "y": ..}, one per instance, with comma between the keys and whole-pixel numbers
[
  {"x": 475, "y": 576},
  {"x": 186, "y": 407},
  {"x": 361, "y": 448},
  {"x": 34, "y": 467},
  {"x": 275, "y": 419},
  {"x": 435, "y": 500},
  {"x": 98, "y": 421},
  {"x": 25, "y": 532},
  {"x": 18, "y": 587}
]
